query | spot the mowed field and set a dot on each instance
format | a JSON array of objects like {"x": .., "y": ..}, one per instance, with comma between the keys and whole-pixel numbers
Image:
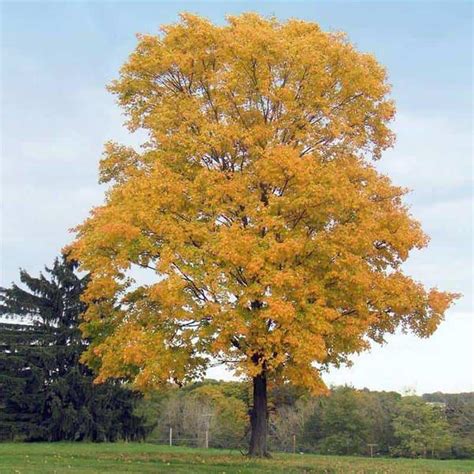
[{"x": 145, "y": 458}]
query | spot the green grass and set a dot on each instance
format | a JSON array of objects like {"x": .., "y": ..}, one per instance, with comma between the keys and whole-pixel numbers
[{"x": 25, "y": 458}]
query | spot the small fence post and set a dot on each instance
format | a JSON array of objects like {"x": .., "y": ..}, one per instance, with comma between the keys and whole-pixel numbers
[
  {"x": 207, "y": 422},
  {"x": 171, "y": 436},
  {"x": 294, "y": 444},
  {"x": 372, "y": 446}
]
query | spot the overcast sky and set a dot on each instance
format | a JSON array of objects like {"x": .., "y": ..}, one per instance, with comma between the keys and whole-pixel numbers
[{"x": 56, "y": 115}]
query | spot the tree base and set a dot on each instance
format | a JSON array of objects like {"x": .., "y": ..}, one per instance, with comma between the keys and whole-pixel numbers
[{"x": 259, "y": 418}]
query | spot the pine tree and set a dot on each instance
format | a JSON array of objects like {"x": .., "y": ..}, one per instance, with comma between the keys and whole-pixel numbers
[{"x": 45, "y": 392}]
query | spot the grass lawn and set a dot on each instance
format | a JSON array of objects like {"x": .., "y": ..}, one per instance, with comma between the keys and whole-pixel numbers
[{"x": 143, "y": 458}]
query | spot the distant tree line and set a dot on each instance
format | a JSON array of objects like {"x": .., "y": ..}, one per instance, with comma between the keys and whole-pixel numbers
[
  {"x": 46, "y": 394},
  {"x": 345, "y": 422}
]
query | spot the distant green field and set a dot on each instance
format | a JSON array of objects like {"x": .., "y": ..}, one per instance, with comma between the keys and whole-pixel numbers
[{"x": 143, "y": 458}]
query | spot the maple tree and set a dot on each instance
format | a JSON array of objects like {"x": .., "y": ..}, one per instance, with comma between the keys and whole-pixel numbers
[{"x": 274, "y": 243}]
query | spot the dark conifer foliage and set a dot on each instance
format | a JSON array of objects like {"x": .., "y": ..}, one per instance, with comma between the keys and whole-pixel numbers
[{"x": 45, "y": 393}]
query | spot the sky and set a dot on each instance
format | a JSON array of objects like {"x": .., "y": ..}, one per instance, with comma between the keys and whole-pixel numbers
[{"x": 57, "y": 57}]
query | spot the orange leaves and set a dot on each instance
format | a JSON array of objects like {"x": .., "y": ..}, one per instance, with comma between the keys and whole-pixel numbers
[
  {"x": 286, "y": 80},
  {"x": 102, "y": 287},
  {"x": 143, "y": 356},
  {"x": 270, "y": 240},
  {"x": 116, "y": 231},
  {"x": 117, "y": 162},
  {"x": 169, "y": 292},
  {"x": 280, "y": 311},
  {"x": 280, "y": 165},
  {"x": 440, "y": 301}
]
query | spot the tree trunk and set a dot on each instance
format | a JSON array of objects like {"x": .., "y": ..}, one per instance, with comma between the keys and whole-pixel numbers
[{"x": 258, "y": 418}]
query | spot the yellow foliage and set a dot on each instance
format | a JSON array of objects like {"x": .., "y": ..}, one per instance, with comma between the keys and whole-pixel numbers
[{"x": 275, "y": 243}]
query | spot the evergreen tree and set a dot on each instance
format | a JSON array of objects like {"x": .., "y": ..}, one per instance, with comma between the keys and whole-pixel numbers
[{"x": 45, "y": 392}]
